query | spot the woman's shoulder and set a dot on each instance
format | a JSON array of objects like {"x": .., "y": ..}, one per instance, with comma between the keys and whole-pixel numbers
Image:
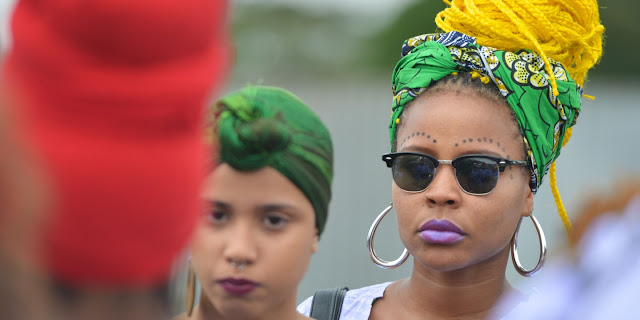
[
  {"x": 357, "y": 303},
  {"x": 369, "y": 293}
]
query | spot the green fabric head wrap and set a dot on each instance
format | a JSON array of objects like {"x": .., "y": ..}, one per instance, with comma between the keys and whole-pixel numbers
[
  {"x": 520, "y": 76},
  {"x": 266, "y": 126}
]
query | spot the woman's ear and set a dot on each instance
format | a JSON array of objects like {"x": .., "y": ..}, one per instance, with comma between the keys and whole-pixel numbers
[{"x": 527, "y": 208}]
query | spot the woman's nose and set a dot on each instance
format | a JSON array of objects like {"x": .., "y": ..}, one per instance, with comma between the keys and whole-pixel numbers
[
  {"x": 444, "y": 189},
  {"x": 241, "y": 245}
]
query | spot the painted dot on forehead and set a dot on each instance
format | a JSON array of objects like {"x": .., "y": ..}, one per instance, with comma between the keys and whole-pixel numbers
[
  {"x": 484, "y": 139},
  {"x": 464, "y": 140},
  {"x": 490, "y": 140},
  {"x": 456, "y": 144},
  {"x": 428, "y": 136},
  {"x": 498, "y": 143},
  {"x": 434, "y": 140},
  {"x": 423, "y": 134},
  {"x": 413, "y": 134}
]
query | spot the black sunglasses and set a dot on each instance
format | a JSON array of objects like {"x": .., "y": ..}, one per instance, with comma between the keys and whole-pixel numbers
[{"x": 476, "y": 174}]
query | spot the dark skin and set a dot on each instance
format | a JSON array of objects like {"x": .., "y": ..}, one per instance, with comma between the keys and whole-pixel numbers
[
  {"x": 453, "y": 295},
  {"x": 462, "y": 280}
]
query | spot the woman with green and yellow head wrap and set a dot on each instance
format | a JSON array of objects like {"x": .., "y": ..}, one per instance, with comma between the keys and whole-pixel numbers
[
  {"x": 480, "y": 113},
  {"x": 268, "y": 201}
]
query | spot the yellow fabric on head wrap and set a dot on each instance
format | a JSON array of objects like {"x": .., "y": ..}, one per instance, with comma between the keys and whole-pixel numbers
[{"x": 567, "y": 31}]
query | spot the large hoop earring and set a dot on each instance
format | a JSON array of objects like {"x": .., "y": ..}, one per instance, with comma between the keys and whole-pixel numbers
[
  {"x": 372, "y": 252},
  {"x": 514, "y": 249},
  {"x": 191, "y": 289}
]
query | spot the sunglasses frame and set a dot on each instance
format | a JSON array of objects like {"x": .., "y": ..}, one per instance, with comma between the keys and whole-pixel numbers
[{"x": 502, "y": 163}]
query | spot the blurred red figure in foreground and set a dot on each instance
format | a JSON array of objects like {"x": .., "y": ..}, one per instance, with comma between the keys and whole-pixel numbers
[{"x": 113, "y": 95}]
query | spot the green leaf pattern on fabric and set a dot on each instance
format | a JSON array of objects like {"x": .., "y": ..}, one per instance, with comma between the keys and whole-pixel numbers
[{"x": 520, "y": 76}]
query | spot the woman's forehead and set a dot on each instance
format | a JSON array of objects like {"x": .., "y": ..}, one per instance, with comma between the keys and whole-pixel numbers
[
  {"x": 251, "y": 189},
  {"x": 459, "y": 113}
]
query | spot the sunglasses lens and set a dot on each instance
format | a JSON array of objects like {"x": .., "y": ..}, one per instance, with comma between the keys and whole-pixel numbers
[
  {"x": 412, "y": 172},
  {"x": 477, "y": 175}
]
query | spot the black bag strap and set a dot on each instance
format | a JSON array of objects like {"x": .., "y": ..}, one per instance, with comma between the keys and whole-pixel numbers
[{"x": 327, "y": 303}]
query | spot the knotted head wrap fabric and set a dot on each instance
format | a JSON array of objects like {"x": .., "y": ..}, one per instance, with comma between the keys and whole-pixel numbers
[
  {"x": 267, "y": 126},
  {"x": 520, "y": 76},
  {"x": 567, "y": 31}
]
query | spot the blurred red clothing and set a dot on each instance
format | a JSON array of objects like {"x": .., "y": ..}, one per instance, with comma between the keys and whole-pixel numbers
[{"x": 114, "y": 94}]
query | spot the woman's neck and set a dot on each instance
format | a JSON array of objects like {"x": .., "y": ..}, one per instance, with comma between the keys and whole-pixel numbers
[
  {"x": 286, "y": 311},
  {"x": 469, "y": 293}
]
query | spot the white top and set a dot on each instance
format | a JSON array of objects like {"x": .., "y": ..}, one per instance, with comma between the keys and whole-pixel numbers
[{"x": 358, "y": 303}]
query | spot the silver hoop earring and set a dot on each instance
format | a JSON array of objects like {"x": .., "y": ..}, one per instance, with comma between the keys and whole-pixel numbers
[
  {"x": 372, "y": 252},
  {"x": 514, "y": 249}
]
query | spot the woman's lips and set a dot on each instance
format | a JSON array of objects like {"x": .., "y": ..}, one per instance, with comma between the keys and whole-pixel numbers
[
  {"x": 237, "y": 286},
  {"x": 440, "y": 232}
]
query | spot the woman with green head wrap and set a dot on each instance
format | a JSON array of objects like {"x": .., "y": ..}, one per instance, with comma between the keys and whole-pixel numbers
[
  {"x": 267, "y": 205},
  {"x": 479, "y": 115}
]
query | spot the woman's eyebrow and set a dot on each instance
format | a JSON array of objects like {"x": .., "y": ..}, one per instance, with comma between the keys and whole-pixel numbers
[
  {"x": 482, "y": 151},
  {"x": 418, "y": 149},
  {"x": 276, "y": 207},
  {"x": 219, "y": 204}
]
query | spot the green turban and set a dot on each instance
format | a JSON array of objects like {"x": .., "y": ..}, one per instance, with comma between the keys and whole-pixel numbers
[
  {"x": 266, "y": 126},
  {"x": 520, "y": 76}
]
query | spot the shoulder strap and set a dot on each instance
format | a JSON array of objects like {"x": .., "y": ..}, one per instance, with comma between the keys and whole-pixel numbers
[{"x": 327, "y": 303}]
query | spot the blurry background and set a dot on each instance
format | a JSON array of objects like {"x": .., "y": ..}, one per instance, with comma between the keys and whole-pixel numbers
[{"x": 338, "y": 56}]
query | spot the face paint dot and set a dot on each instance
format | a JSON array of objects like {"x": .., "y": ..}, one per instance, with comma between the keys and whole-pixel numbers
[
  {"x": 413, "y": 134},
  {"x": 498, "y": 143},
  {"x": 484, "y": 139},
  {"x": 408, "y": 137},
  {"x": 428, "y": 136},
  {"x": 464, "y": 141},
  {"x": 503, "y": 150},
  {"x": 508, "y": 157},
  {"x": 434, "y": 140},
  {"x": 423, "y": 133},
  {"x": 511, "y": 176},
  {"x": 456, "y": 144},
  {"x": 490, "y": 140},
  {"x": 470, "y": 139},
  {"x": 479, "y": 140}
]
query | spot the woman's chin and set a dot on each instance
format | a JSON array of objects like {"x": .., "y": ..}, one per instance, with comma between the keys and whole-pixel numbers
[
  {"x": 441, "y": 265},
  {"x": 239, "y": 311}
]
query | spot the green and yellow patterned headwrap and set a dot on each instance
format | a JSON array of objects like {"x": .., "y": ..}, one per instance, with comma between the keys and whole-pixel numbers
[
  {"x": 543, "y": 117},
  {"x": 266, "y": 126}
]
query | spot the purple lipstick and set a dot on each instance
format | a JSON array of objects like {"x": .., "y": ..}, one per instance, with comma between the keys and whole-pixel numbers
[
  {"x": 440, "y": 232},
  {"x": 237, "y": 286}
]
